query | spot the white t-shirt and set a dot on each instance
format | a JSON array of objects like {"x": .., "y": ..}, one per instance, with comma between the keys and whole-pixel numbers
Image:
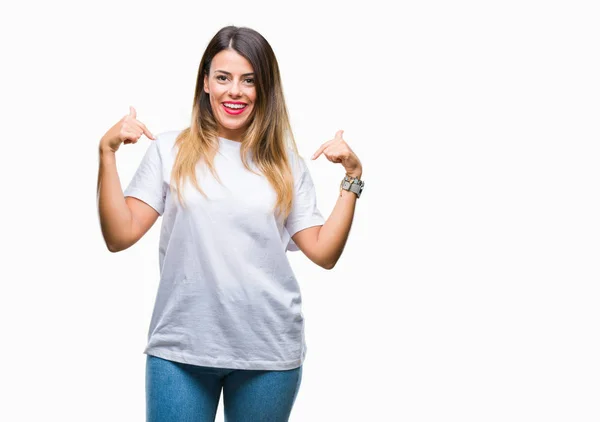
[{"x": 227, "y": 295}]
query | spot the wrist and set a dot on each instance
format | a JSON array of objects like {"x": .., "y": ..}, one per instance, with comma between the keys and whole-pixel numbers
[
  {"x": 352, "y": 182},
  {"x": 106, "y": 150}
]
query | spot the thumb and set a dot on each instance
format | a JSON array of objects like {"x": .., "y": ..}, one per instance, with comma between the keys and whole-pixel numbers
[
  {"x": 132, "y": 112},
  {"x": 339, "y": 134}
]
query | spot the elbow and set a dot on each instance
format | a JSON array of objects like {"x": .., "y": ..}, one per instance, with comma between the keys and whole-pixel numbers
[
  {"x": 112, "y": 244},
  {"x": 112, "y": 248},
  {"x": 328, "y": 262},
  {"x": 116, "y": 243},
  {"x": 328, "y": 265}
]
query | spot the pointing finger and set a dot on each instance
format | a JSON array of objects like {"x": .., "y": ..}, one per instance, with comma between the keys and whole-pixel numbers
[
  {"x": 337, "y": 138},
  {"x": 322, "y": 148},
  {"x": 146, "y": 131}
]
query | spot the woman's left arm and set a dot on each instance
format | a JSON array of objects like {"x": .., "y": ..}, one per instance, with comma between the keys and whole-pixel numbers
[{"x": 324, "y": 244}]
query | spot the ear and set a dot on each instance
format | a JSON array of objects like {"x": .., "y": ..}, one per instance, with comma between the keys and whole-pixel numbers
[{"x": 206, "y": 84}]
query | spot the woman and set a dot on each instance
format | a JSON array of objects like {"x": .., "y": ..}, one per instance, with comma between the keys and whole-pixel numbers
[{"x": 234, "y": 195}]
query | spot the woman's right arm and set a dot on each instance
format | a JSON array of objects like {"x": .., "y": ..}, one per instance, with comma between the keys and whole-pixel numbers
[
  {"x": 123, "y": 220},
  {"x": 115, "y": 215}
]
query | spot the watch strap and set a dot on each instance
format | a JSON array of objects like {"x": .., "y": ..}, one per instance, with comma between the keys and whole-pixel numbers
[{"x": 353, "y": 185}]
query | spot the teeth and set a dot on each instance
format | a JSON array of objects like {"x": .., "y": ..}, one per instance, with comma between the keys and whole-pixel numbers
[{"x": 236, "y": 106}]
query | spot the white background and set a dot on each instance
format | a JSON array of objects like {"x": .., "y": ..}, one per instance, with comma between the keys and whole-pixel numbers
[{"x": 468, "y": 290}]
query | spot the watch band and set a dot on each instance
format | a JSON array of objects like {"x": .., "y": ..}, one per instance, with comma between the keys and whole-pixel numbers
[{"x": 352, "y": 184}]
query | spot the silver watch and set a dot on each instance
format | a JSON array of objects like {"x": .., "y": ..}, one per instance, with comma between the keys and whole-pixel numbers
[{"x": 352, "y": 184}]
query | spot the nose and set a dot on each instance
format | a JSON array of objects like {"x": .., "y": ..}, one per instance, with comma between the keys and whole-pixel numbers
[{"x": 235, "y": 90}]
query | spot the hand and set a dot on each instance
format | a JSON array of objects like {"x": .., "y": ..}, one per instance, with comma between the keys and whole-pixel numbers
[
  {"x": 338, "y": 151},
  {"x": 128, "y": 130}
]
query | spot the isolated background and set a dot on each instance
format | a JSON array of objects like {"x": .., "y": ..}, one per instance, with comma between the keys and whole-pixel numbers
[{"x": 468, "y": 290}]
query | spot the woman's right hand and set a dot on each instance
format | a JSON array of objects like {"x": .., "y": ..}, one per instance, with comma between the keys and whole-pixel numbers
[{"x": 128, "y": 130}]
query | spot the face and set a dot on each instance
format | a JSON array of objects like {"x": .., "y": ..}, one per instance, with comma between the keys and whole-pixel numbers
[{"x": 230, "y": 86}]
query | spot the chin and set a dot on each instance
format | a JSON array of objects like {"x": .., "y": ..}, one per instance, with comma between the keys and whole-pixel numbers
[{"x": 237, "y": 125}]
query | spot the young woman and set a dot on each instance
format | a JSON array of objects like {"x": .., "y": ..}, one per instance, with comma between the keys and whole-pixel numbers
[{"x": 235, "y": 195}]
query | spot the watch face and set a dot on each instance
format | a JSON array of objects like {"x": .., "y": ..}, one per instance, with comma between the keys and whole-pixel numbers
[{"x": 353, "y": 185}]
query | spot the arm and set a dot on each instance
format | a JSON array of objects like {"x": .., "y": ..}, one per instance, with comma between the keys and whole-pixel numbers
[
  {"x": 324, "y": 244},
  {"x": 123, "y": 220}
]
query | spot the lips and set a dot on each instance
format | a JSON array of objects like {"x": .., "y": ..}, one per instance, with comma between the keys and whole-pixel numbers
[{"x": 234, "y": 111}]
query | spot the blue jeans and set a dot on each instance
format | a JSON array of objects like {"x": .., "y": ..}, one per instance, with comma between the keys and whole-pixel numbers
[{"x": 180, "y": 392}]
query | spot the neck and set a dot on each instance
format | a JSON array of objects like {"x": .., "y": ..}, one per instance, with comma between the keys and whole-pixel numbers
[{"x": 231, "y": 135}]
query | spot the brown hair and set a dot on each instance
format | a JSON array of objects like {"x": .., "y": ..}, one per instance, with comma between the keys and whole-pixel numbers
[{"x": 269, "y": 129}]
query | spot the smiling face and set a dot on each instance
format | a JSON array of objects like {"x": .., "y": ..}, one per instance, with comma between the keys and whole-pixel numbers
[{"x": 230, "y": 86}]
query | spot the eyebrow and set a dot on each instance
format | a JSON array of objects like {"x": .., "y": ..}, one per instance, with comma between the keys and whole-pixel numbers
[{"x": 227, "y": 73}]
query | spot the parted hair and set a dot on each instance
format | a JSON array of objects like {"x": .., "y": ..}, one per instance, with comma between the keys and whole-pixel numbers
[{"x": 268, "y": 137}]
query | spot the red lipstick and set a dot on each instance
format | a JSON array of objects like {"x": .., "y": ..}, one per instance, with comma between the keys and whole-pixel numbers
[{"x": 234, "y": 111}]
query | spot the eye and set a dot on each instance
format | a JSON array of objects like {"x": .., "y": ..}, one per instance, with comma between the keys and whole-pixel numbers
[
  {"x": 221, "y": 76},
  {"x": 251, "y": 80}
]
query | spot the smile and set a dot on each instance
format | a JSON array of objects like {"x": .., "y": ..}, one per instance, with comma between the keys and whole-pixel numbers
[{"x": 234, "y": 108}]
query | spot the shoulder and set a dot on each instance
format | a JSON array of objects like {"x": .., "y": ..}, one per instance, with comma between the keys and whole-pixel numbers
[
  {"x": 297, "y": 163},
  {"x": 165, "y": 143},
  {"x": 167, "y": 138}
]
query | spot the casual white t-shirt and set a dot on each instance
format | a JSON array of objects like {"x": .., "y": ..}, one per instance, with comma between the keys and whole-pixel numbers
[{"x": 227, "y": 295}]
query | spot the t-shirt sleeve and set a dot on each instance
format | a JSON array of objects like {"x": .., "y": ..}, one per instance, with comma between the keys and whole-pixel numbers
[
  {"x": 305, "y": 212},
  {"x": 147, "y": 183}
]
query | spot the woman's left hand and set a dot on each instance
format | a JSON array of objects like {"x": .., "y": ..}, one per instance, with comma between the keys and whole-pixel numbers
[{"x": 338, "y": 151}]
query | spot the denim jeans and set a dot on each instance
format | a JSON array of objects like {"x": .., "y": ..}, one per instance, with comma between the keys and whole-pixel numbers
[{"x": 179, "y": 392}]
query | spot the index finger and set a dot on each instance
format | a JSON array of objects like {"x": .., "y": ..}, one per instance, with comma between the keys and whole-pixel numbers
[
  {"x": 145, "y": 130},
  {"x": 338, "y": 137},
  {"x": 322, "y": 148}
]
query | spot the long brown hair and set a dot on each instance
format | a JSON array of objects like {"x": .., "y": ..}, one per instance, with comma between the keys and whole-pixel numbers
[{"x": 267, "y": 137}]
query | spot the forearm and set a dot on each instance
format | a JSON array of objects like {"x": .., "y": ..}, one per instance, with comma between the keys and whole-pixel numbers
[
  {"x": 115, "y": 216},
  {"x": 334, "y": 233}
]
